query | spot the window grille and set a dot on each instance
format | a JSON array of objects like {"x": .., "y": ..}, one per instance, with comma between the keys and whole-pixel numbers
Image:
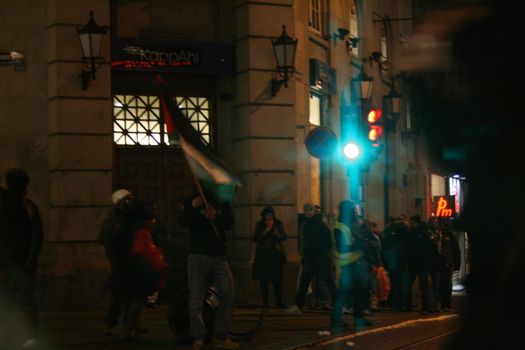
[{"x": 137, "y": 119}]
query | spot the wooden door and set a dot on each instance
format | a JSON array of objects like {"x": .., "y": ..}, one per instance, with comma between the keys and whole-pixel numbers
[{"x": 159, "y": 176}]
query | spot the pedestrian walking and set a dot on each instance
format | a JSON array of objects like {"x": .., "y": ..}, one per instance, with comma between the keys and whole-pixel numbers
[
  {"x": 375, "y": 261},
  {"x": 351, "y": 252},
  {"x": 317, "y": 257},
  {"x": 208, "y": 220},
  {"x": 450, "y": 261},
  {"x": 117, "y": 244},
  {"x": 270, "y": 255},
  {"x": 421, "y": 261},
  {"x": 394, "y": 260},
  {"x": 145, "y": 266},
  {"x": 21, "y": 238}
]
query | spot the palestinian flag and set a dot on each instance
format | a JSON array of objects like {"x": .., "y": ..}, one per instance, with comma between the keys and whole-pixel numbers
[{"x": 211, "y": 171}]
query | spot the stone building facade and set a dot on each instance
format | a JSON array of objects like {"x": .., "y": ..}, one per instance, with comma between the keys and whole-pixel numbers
[{"x": 79, "y": 144}]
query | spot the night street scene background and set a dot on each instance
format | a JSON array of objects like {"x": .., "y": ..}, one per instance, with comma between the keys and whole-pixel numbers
[{"x": 273, "y": 174}]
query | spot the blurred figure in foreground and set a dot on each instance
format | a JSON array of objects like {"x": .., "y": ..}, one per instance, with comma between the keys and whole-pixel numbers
[
  {"x": 351, "y": 251},
  {"x": 482, "y": 137},
  {"x": 21, "y": 237}
]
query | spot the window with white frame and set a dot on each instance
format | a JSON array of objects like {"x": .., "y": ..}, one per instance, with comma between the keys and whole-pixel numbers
[
  {"x": 315, "y": 110},
  {"x": 316, "y": 15},
  {"x": 137, "y": 119},
  {"x": 354, "y": 26}
]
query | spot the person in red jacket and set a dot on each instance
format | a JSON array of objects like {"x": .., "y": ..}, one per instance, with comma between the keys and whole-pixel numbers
[{"x": 146, "y": 266}]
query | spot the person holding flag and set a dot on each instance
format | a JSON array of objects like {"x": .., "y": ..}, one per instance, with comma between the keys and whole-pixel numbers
[{"x": 208, "y": 214}]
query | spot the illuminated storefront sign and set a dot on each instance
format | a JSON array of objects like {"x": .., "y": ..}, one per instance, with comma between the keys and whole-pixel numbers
[
  {"x": 444, "y": 206},
  {"x": 148, "y": 58},
  {"x": 208, "y": 58}
]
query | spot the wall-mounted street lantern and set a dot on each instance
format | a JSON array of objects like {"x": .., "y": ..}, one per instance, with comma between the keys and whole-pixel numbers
[
  {"x": 284, "y": 48},
  {"x": 364, "y": 83},
  {"x": 393, "y": 100},
  {"x": 13, "y": 58},
  {"x": 92, "y": 41}
]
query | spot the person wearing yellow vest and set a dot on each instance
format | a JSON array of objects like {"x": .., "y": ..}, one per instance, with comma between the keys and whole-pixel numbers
[{"x": 350, "y": 251}]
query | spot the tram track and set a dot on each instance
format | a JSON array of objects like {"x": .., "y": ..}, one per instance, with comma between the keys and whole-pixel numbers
[{"x": 348, "y": 340}]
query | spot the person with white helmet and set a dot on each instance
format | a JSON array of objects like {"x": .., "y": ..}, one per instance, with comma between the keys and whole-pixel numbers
[{"x": 116, "y": 250}]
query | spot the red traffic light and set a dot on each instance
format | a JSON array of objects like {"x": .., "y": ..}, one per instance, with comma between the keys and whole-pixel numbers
[
  {"x": 375, "y": 132},
  {"x": 374, "y": 115}
]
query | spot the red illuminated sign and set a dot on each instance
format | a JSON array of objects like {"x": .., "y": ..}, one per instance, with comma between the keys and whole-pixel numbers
[
  {"x": 195, "y": 58},
  {"x": 444, "y": 206}
]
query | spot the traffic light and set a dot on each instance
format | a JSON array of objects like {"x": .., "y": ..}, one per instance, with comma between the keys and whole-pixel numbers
[
  {"x": 375, "y": 123},
  {"x": 351, "y": 145},
  {"x": 351, "y": 151}
]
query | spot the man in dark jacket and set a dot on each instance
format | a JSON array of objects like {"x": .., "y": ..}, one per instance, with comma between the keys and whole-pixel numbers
[
  {"x": 117, "y": 246},
  {"x": 316, "y": 248},
  {"x": 21, "y": 237},
  {"x": 394, "y": 260},
  {"x": 421, "y": 262},
  {"x": 208, "y": 220},
  {"x": 450, "y": 261}
]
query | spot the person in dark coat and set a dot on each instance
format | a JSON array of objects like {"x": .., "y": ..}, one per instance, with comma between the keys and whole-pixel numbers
[
  {"x": 394, "y": 260},
  {"x": 21, "y": 238},
  {"x": 117, "y": 244},
  {"x": 450, "y": 261},
  {"x": 317, "y": 257},
  {"x": 421, "y": 261},
  {"x": 270, "y": 256}
]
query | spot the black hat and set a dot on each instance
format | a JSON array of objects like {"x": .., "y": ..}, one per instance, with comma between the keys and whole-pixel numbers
[{"x": 267, "y": 210}]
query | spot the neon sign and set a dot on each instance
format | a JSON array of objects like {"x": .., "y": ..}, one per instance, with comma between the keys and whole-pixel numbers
[
  {"x": 193, "y": 58},
  {"x": 444, "y": 206}
]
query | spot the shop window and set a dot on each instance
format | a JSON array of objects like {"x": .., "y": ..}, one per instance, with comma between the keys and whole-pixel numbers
[{"x": 137, "y": 119}]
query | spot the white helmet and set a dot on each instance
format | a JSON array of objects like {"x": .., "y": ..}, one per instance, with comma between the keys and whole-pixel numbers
[{"x": 119, "y": 195}]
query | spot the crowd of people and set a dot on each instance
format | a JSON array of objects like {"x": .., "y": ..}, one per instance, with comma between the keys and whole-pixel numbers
[
  {"x": 342, "y": 266},
  {"x": 353, "y": 260}
]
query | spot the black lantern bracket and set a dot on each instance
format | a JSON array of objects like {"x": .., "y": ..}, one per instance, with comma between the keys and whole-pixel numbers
[
  {"x": 284, "y": 49},
  {"x": 13, "y": 58}
]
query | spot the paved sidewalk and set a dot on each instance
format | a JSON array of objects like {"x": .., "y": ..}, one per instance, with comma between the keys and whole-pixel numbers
[{"x": 84, "y": 330}]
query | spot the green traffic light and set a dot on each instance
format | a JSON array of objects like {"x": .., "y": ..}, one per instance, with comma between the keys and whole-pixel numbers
[{"x": 351, "y": 151}]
